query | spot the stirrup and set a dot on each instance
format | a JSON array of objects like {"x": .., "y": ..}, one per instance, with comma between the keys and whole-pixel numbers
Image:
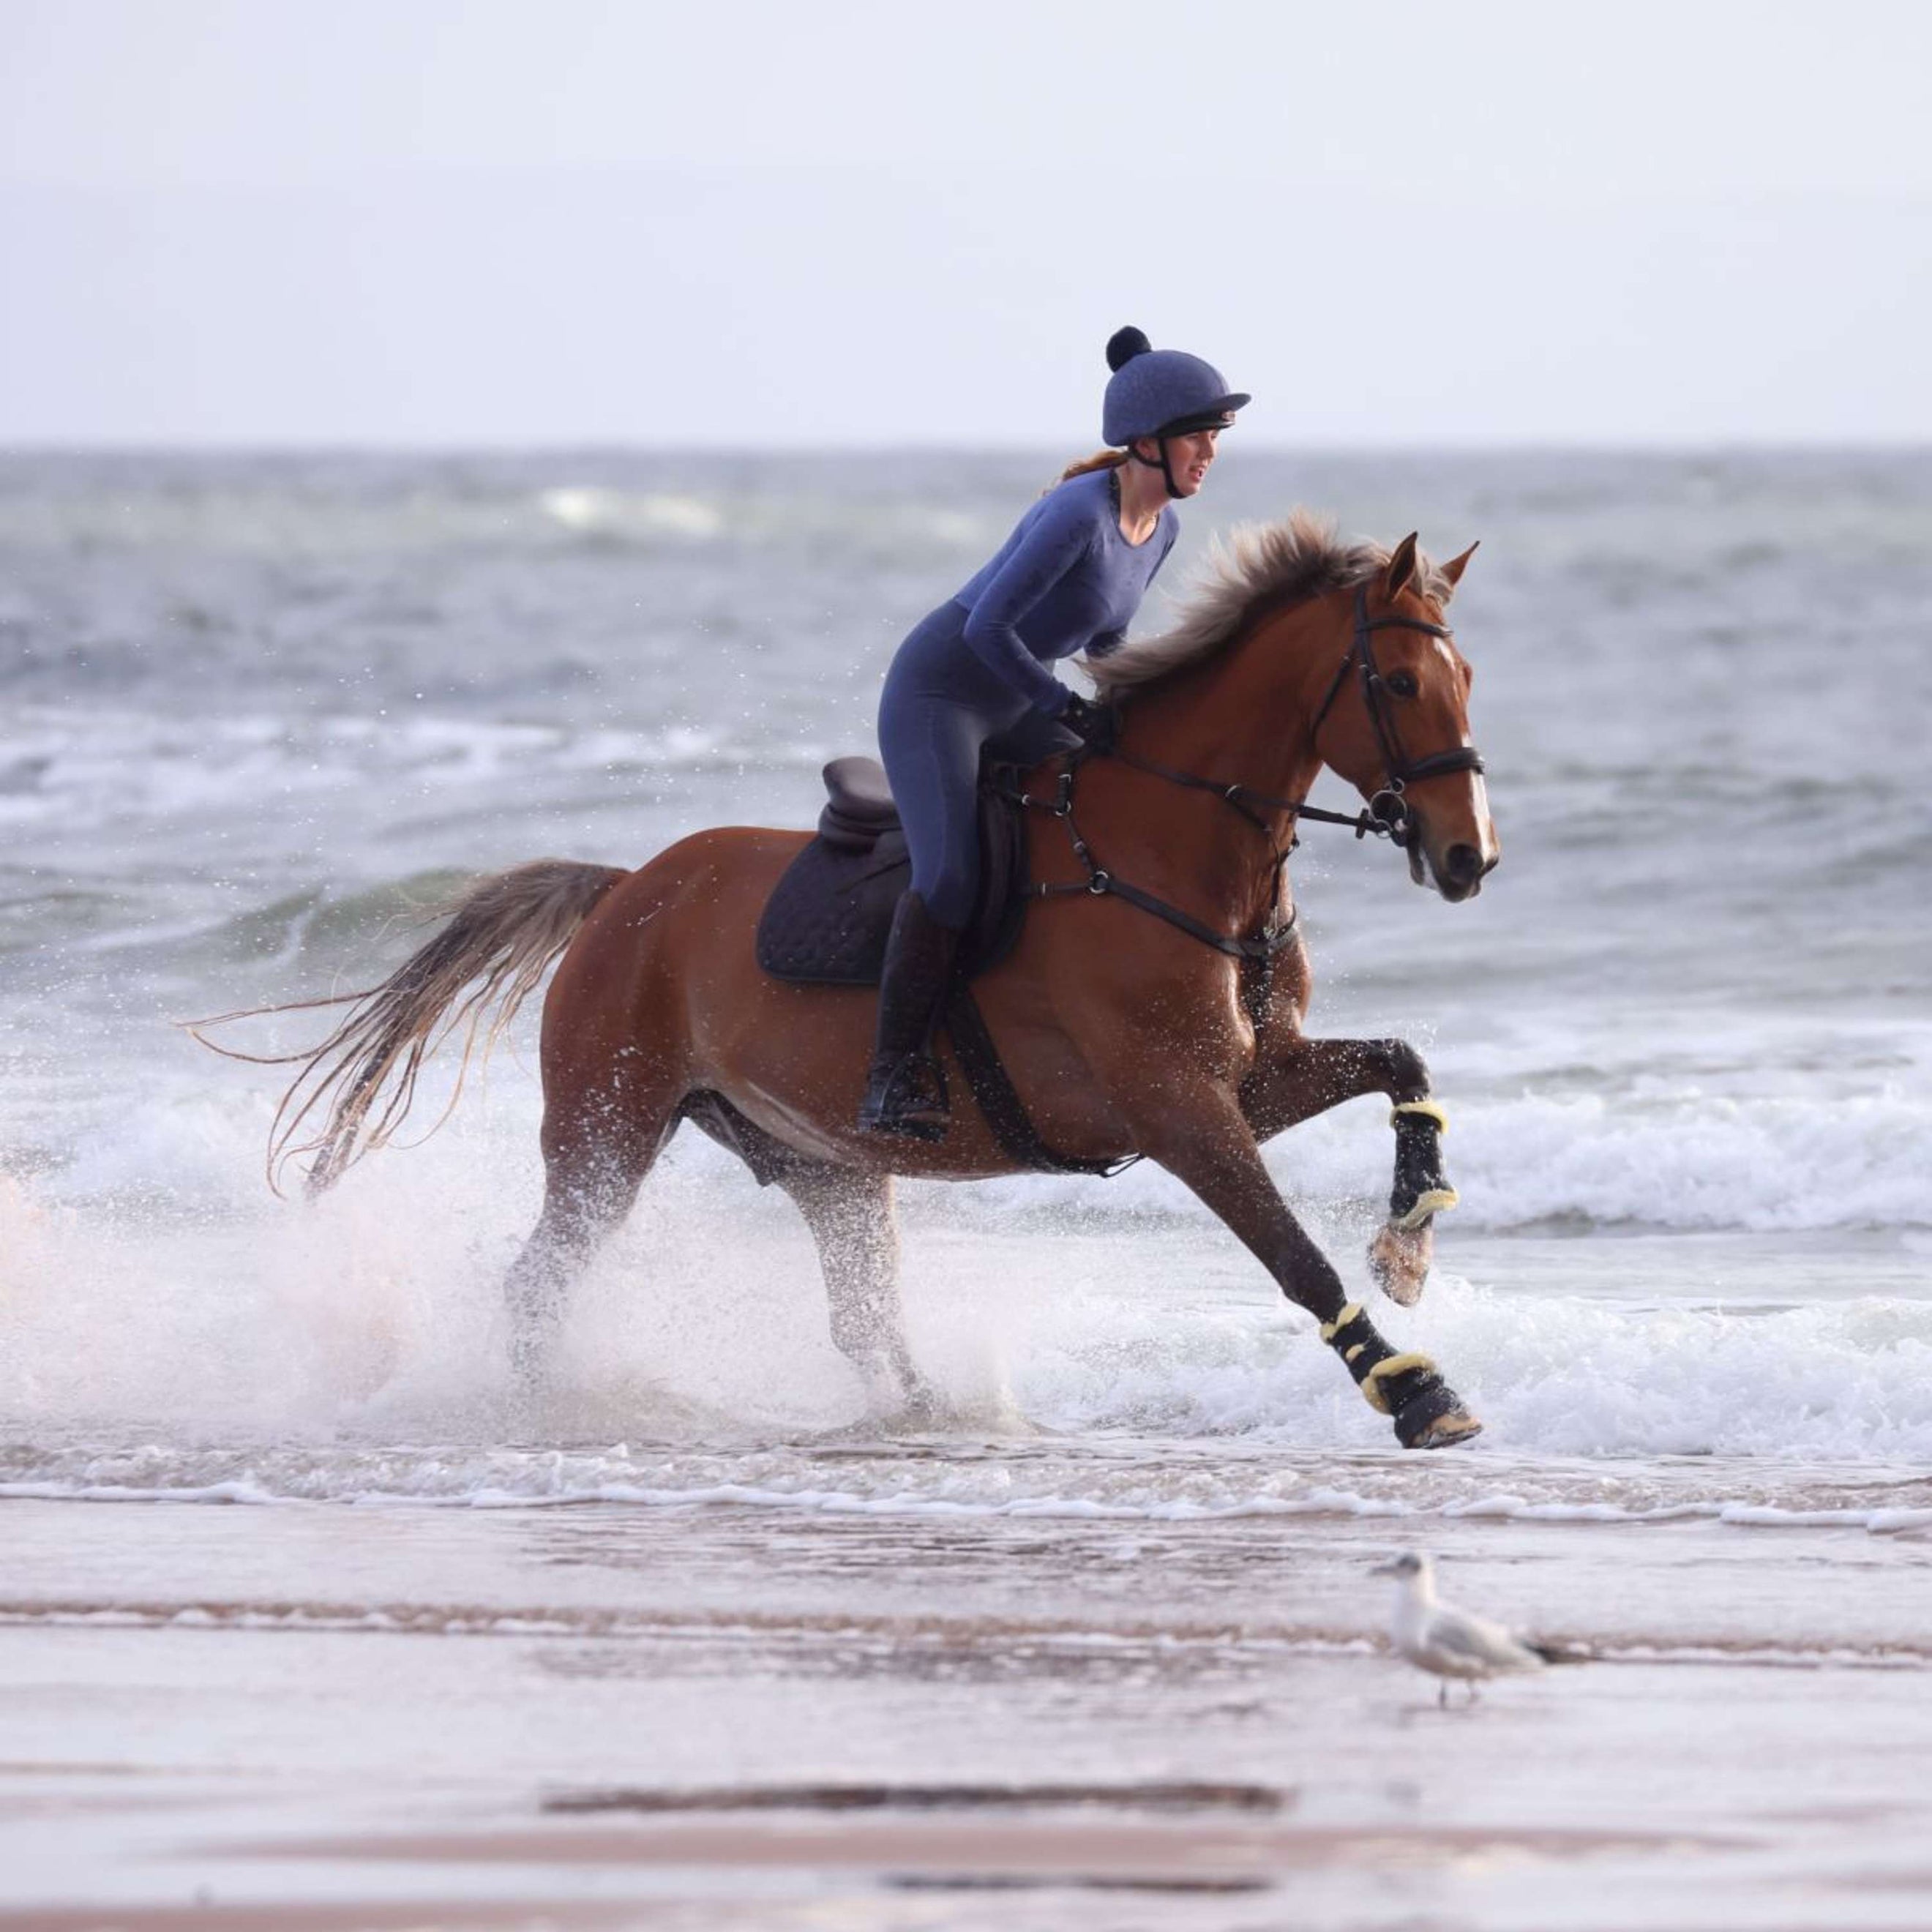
[{"x": 907, "y": 1097}]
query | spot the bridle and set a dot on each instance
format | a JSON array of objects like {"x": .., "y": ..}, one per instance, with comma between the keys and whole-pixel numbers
[
  {"x": 1387, "y": 815},
  {"x": 1389, "y": 808}
]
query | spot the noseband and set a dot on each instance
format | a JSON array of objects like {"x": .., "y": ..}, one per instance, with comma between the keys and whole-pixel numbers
[{"x": 1389, "y": 807}]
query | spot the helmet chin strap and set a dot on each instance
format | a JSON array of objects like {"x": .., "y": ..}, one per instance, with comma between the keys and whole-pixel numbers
[{"x": 1163, "y": 466}]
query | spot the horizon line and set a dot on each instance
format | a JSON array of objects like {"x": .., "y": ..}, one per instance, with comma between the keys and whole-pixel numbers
[{"x": 280, "y": 445}]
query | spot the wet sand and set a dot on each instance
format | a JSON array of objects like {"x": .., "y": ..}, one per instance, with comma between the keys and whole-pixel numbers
[{"x": 309, "y": 1716}]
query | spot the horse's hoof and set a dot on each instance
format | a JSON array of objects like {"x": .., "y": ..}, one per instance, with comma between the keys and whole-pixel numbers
[
  {"x": 1446, "y": 1430},
  {"x": 905, "y": 1404},
  {"x": 1434, "y": 1416},
  {"x": 1399, "y": 1259},
  {"x": 922, "y": 1407}
]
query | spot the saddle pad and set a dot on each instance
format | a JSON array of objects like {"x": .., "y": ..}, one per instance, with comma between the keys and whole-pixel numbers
[{"x": 827, "y": 919}]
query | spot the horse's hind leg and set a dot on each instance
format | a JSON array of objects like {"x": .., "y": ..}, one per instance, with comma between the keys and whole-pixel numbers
[
  {"x": 1309, "y": 1076},
  {"x": 594, "y": 1160},
  {"x": 852, "y": 1221}
]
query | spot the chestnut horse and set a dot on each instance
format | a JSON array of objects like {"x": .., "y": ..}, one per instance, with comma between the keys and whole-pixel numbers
[{"x": 1124, "y": 1029}]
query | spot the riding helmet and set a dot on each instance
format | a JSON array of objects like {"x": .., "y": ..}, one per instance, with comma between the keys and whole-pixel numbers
[{"x": 1161, "y": 392}]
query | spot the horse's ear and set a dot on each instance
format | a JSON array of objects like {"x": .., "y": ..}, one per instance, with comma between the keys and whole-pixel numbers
[
  {"x": 1401, "y": 572},
  {"x": 1455, "y": 567}
]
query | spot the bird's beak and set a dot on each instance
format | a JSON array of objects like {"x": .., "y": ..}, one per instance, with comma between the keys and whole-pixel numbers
[{"x": 1384, "y": 1569}]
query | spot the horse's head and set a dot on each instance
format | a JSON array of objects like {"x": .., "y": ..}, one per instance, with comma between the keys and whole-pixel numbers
[{"x": 1395, "y": 723}]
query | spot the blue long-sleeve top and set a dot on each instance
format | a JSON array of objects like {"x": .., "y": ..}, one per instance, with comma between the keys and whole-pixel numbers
[{"x": 1065, "y": 581}]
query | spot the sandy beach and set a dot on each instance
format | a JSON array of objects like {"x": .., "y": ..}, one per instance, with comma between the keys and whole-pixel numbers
[{"x": 726, "y": 1717}]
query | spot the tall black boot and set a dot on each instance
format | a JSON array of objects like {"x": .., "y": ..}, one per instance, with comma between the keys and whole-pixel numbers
[{"x": 905, "y": 1091}]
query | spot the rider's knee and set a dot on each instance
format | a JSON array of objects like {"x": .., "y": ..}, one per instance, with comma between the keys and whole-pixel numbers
[{"x": 950, "y": 899}]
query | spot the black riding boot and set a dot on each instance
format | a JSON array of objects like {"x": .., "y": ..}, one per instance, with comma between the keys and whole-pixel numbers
[{"x": 905, "y": 1092}]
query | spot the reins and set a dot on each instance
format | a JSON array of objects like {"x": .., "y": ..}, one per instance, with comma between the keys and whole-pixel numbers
[{"x": 1387, "y": 815}]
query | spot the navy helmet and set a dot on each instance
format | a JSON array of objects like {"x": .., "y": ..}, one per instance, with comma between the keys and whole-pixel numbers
[{"x": 1161, "y": 392}]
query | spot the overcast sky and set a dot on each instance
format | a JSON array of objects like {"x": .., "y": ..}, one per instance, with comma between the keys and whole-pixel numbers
[{"x": 474, "y": 222}]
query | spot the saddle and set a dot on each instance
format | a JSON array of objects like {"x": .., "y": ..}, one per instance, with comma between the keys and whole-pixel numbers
[{"x": 826, "y": 922}]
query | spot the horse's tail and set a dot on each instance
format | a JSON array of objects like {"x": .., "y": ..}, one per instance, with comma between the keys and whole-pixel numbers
[{"x": 501, "y": 938}]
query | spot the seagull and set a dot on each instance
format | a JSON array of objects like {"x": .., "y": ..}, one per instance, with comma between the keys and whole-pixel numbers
[{"x": 1448, "y": 1642}]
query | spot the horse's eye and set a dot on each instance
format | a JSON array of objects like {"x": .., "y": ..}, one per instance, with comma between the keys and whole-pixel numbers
[{"x": 1403, "y": 683}]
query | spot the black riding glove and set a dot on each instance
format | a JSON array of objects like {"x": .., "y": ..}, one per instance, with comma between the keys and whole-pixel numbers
[{"x": 1095, "y": 725}]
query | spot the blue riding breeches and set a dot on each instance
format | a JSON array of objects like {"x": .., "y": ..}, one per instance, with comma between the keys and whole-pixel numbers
[{"x": 941, "y": 706}]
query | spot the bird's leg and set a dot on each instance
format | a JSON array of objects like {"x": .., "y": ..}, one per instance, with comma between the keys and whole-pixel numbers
[{"x": 1442, "y": 1695}]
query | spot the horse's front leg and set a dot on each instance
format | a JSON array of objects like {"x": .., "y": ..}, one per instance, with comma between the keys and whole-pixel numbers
[
  {"x": 1199, "y": 1135},
  {"x": 1303, "y": 1078}
]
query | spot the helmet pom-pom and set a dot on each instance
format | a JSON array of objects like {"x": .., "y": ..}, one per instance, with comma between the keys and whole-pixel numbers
[{"x": 1124, "y": 344}]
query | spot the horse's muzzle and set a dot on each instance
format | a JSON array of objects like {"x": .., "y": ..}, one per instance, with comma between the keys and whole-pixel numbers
[{"x": 1460, "y": 873}]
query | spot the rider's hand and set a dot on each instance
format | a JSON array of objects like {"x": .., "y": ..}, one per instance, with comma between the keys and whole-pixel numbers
[{"x": 1095, "y": 725}]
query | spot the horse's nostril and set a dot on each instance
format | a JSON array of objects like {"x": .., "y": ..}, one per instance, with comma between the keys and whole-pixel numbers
[{"x": 1463, "y": 864}]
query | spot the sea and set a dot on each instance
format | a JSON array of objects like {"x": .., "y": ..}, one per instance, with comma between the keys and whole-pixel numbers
[{"x": 260, "y": 714}]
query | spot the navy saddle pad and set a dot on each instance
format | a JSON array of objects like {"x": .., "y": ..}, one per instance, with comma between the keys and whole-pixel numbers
[{"x": 826, "y": 922}]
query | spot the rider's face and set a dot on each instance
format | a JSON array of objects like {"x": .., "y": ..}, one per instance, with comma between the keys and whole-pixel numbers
[{"x": 1189, "y": 457}]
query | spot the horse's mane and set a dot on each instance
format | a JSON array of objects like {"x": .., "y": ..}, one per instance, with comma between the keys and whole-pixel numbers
[{"x": 1254, "y": 566}]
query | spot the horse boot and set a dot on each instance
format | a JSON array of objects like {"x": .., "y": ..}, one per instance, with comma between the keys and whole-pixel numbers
[
  {"x": 905, "y": 1090},
  {"x": 1422, "y": 1189},
  {"x": 1408, "y": 1388},
  {"x": 1403, "y": 1245}
]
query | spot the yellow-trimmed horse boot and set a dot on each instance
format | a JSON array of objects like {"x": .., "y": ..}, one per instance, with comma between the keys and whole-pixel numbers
[
  {"x": 1422, "y": 1189},
  {"x": 1408, "y": 1388},
  {"x": 1401, "y": 1250}
]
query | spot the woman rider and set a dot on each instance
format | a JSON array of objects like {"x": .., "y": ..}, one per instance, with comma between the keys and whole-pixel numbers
[{"x": 1069, "y": 578}]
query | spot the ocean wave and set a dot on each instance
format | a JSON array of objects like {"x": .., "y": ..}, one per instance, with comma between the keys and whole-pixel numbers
[
  {"x": 350, "y": 512},
  {"x": 929, "y": 1479},
  {"x": 375, "y": 1313},
  {"x": 1644, "y": 1154},
  {"x": 632, "y": 516},
  {"x": 116, "y": 770},
  {"x": 1693, "y": 1159},
  {"x": 1636, "y": 1153}
]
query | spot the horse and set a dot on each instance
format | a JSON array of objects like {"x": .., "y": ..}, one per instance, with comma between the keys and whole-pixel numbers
[{"x": 1153, "y": 1005}]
